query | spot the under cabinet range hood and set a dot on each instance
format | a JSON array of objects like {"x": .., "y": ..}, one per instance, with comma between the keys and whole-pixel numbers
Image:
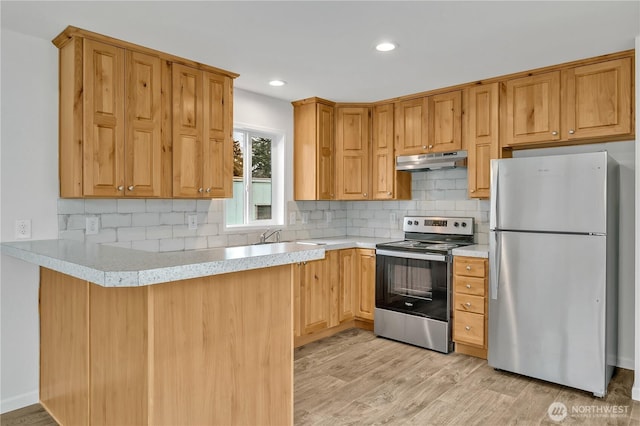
[{"x": 439, "y": 160}]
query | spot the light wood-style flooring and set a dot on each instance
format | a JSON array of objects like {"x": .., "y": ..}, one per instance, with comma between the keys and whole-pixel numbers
[{"x": 356, "y": 378}]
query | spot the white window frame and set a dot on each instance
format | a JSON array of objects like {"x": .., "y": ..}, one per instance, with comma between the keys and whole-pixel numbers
[{"x": 277, "y": 179}]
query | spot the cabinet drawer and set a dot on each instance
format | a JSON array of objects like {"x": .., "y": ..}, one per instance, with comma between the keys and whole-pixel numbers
[
  {"x": 469, "y": 267},
  {"x": 469, "y": 285},
  {"x": 468, "y": 303},
  {"x": 469, "y": 328}
]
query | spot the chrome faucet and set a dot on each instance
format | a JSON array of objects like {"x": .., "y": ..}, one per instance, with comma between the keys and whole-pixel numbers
[{"x": 268, "y": 233}]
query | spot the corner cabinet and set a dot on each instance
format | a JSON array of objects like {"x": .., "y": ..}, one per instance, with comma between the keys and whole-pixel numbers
[
  {"x": 202, "y": 140},
  {"x": 117, "y": 115},
  {"x": 470, "y": 305},
  {"x": 313, "y": 150}
]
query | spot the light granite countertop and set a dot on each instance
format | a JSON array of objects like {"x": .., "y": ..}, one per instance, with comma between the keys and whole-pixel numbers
[
  {"x": 120, "y": 267},
  {"x": 476, "y": 250},
  {"x": 338, "y": 243}
]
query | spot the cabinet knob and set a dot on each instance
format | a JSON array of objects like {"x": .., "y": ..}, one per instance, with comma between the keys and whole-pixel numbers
[
  {"x": 389, "y": 193},
  {"x": 468, "y": 304},
  {"x": 468, "y": 285},
  {"x": 473, "y": 190},
  {"x": 468, "y": 267},
  {"x": 364, "y": 194},
  {"x": 200, "y": 190},
  {"x": 208, "y": 190},
  {"x": 467, "y": 328},
  {"x": 130, "y": 187},
  {"x": 120, "y": 188},
  {"x": 424, "y": 147},
  {"x": 554, "y": 133},
  {"x": 571, "y": 131},
  {"x": 430, "y": 146}
]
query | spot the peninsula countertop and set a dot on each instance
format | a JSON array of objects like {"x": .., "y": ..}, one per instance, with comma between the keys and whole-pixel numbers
[{"x": 121, "y": 267}]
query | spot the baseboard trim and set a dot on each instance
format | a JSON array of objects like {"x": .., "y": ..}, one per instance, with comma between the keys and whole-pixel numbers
[
  {"x": 19, "y": 401},
  {"x": 626, "y": 363}
]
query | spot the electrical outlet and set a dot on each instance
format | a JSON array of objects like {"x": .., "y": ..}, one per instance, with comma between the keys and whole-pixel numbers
[
  {"x": 92, "y": 225},
  {"x": 292, "y": 218},
  {"x": 393, "y": 220},
  {"x": 305, "y": 218},
  {"x": 192, "y": 220},
  {"x": 23, "y": 229},
  {"x": 328, "y": 215}
]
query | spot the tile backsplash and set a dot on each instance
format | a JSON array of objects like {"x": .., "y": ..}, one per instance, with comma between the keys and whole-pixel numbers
[{"x": 161, "y": 225}]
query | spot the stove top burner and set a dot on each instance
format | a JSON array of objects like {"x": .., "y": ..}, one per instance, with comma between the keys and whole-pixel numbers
[{"x": 426, "y": 246}]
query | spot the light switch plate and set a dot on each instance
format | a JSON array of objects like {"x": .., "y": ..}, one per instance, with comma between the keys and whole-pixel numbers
[
  {"x": 192, "y": 220},
  {"x": 305, "y": 218},
  {"x": 292, "y": 218},
  {"x": 92, "y": 225}
]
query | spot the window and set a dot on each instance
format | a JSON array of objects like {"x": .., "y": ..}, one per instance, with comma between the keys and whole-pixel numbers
[{"x": 257, "y": 184}]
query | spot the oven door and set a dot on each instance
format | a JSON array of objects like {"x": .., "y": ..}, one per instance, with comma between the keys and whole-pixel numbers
[{"x": 414, "y": 283}]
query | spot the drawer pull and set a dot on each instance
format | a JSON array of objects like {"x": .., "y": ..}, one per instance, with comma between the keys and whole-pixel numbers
[
  {"x": 468, "y": 285},
  {"x": 468, "y": 267},
  {"x": 467, "y": 328}
]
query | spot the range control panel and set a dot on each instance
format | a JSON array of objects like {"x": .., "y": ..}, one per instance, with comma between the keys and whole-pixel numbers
[{"x": 438, "y": 225}]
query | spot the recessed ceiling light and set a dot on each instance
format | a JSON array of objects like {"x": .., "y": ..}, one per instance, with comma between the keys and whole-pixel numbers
[
  {"x": 277, "y": 83},
  {"x": 385, "y": 47}
]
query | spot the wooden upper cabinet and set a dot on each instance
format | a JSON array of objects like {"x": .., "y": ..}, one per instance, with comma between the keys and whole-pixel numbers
[
  {"x": 445, "y": 122},
  {"x": 481, "y": 126},
  {"x": 352, "y": 153},
  {"x": 411, "y": 126},
  {"x": 386, "y": 182},
  {"x": 313, "y": 151},
  {"x": 598, "y": 100},
  {"x": 202, "y": 145},
  {"x": 103, "y": 131},
  {"x": 531, "y": 109},
  {"x": 125, "y": 112}
]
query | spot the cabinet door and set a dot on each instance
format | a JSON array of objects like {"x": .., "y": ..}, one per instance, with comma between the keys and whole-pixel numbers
[
  {"x": 217, "y": 174},
  {"x": 325, "y": 184},
  {"x": 598, "y": 101},
  {"x": 352, "y": 153},
  {"x": 365, "y": 294},
  {"x": 104, "y": 120},
  {"x": 482, "y": 136},
  {"x": 445, "y": 122},
  {"x": 348, "y": 277},
  {"x": 532, "y": 109},
  {"x": 187, "y": 132},
  {"x": 314, "y": 297},
  {"x": 143, "y": 145},
  {"x": 411, "y": 126}
]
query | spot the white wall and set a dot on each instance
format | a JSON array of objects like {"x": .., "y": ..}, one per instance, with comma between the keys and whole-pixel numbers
[
  {"x": 635, "y": 393},
  {"x": 29, "y": 190}
]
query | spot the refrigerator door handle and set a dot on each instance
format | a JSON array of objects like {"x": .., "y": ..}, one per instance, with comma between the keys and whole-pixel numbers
[
  {"x": 493, "y": 214},
  {"x": 494, "y": 264}
]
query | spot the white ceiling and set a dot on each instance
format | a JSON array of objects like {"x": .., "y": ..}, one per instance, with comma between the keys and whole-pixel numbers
[{"x": 325, "y": 48}]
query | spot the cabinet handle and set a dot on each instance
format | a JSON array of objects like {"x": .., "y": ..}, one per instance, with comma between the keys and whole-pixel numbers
[
  {"x": 468, "y": 285},
  {"x": 554, "y": 133},
  {"x": 120, "y": 188},
  {"x": 571, "y": 131},
  {"x": 468, "y": 267},
  {"x": 200, "y": 190},
  {"x": 467, "y": 328},
  {"x": 130, "y": 187}
]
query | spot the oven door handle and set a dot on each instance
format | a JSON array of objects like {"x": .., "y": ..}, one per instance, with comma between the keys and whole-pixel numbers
[{"x": 410, "y": 255}]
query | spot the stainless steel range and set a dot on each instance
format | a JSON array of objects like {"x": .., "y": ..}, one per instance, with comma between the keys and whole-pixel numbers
[{"x": 413, "y": 281}]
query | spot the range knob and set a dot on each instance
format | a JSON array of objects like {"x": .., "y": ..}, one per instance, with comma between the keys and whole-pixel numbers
[
  {"x": 464, "y": 224},
  {"x": 456, "y": 224},
  {"x": 409, "y": 222}
]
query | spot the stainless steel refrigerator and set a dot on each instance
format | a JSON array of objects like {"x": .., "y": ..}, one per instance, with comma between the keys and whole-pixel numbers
[{"x": 553, "y": 268}]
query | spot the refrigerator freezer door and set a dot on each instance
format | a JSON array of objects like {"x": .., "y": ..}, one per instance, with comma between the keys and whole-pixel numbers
[
  {"x": 547, "y": 311},
  {"x": 559, "y": 193}
]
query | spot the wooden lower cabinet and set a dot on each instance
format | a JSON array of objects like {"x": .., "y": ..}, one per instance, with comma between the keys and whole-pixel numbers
[
  {"x": 213, "y": 350},
  {"x": 333, "y": 294},
  {"x": 470, "y": 321}
]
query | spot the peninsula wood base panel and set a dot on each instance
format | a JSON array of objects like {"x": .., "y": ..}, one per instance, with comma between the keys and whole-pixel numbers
[{"x": 211, "y": 350}]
